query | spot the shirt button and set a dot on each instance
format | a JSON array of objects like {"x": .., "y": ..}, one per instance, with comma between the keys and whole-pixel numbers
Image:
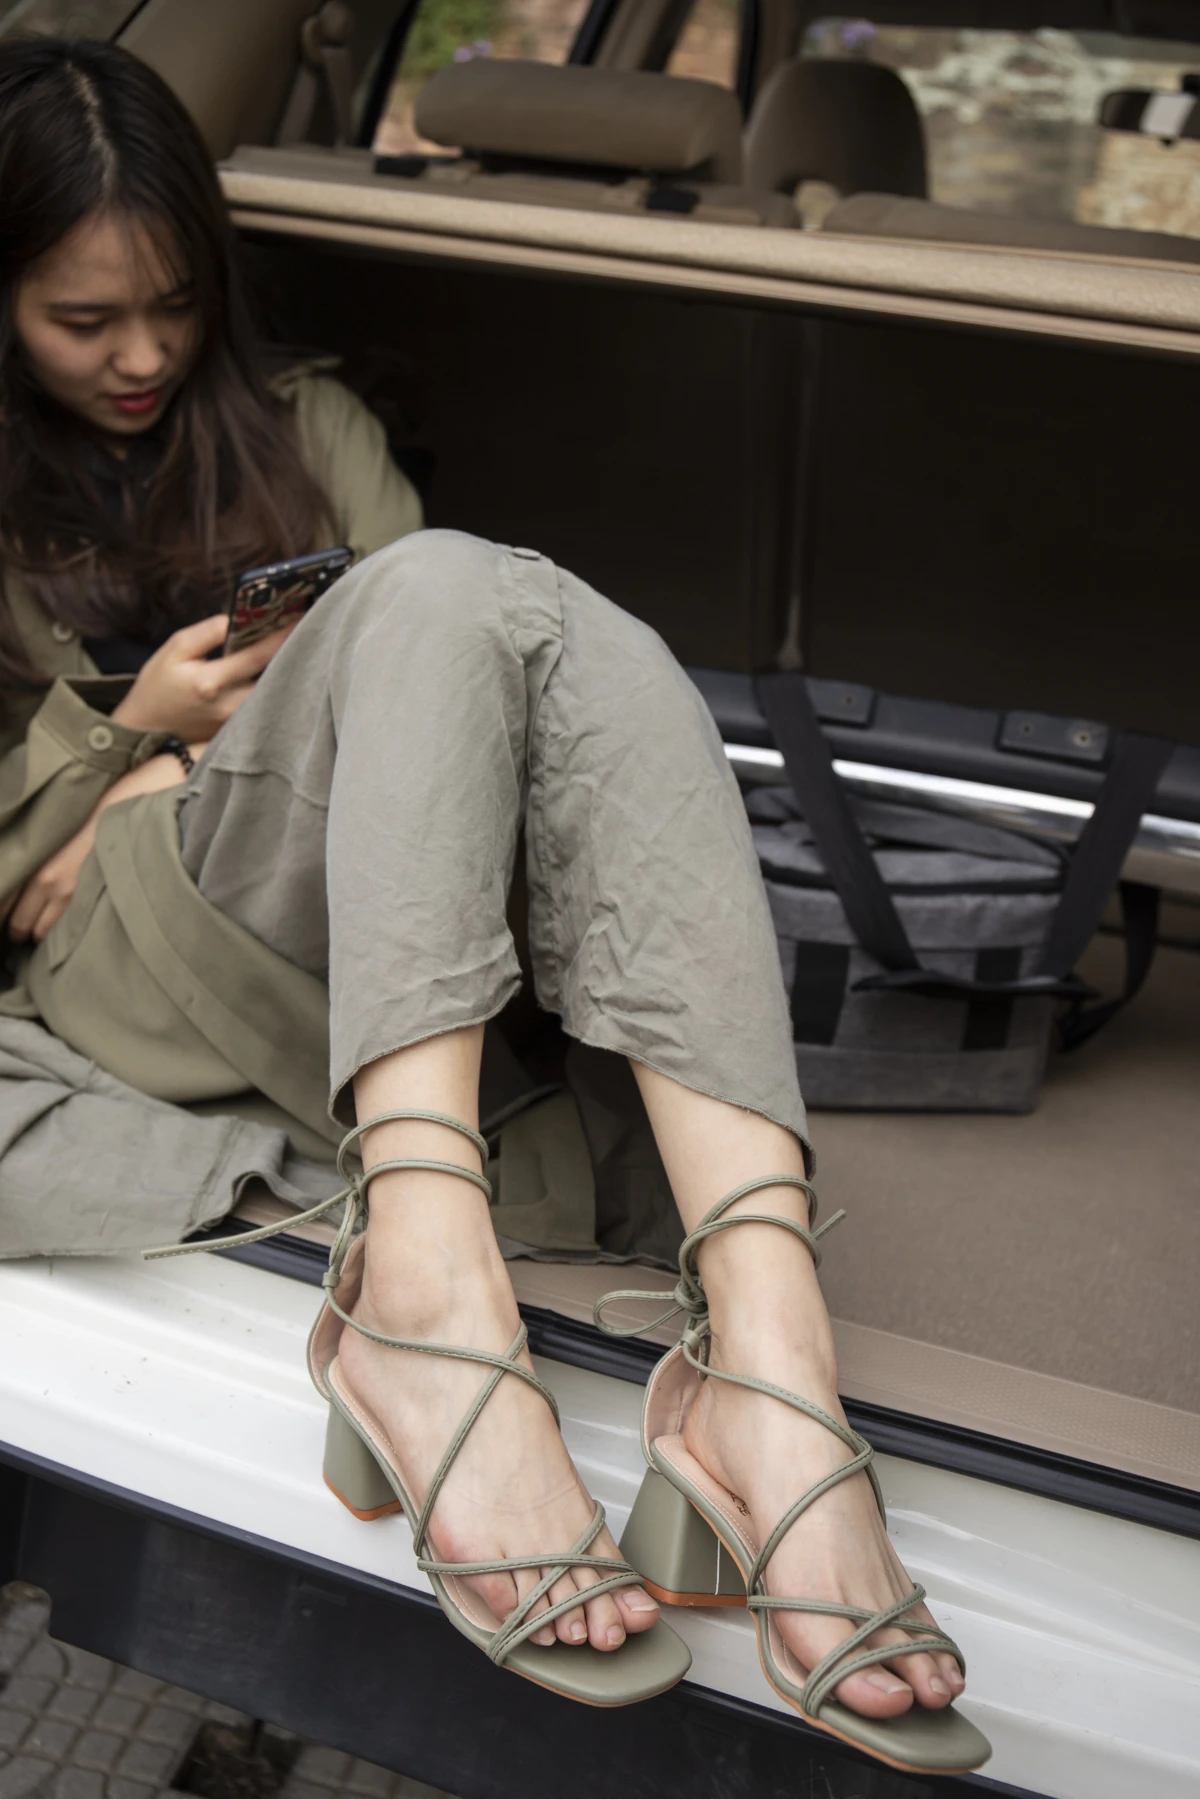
[
  {"x": 527, "y": 555},
  {"x": 100, "y": 738},
  {"x": 62, "y": 633}
]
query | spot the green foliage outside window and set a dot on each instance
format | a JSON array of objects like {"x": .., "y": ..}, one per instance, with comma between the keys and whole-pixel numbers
[{"x": 444, "y": 26}]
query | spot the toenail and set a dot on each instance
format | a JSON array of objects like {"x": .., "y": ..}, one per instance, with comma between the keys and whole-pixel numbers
[
  {"x": 937, "y": 1685},
  {"x": 577, "y": 1632},
  {"x": 640, "y": 1602},
  {"x": 615, "y": 1636},
  {"x": 886, "y": 1683}
]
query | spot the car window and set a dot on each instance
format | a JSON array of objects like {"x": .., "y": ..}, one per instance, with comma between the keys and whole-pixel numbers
[
  {"x": 78, "y": 18},
  {"x": 1010, "y": 120},
  {"x": 446, "y": 31},
  {"x": 707, "y": 47}
]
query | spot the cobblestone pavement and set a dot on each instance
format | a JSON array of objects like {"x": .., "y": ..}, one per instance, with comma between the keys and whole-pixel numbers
[{"x": 75, "y": 1726}]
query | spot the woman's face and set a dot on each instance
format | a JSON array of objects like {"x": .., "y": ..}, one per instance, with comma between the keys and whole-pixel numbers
[{"x": 106, "y": 325}]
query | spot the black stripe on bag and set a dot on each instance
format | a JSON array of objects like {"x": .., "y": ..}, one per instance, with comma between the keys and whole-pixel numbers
[
  {"x": 818, "y": 990},
  {"x": 989, "y": 1018}
]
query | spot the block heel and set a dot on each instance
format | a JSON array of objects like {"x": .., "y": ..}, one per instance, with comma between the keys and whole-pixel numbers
[
  {"x": 694, "y": 1542},
  {"x": 353, "y": 1475},
  {"x": 363, "y": 1468},
  {"x": 679, "y": 1557}
]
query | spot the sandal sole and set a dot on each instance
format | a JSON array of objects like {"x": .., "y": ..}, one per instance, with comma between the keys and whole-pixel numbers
[{"x": 737, "y": 1552}]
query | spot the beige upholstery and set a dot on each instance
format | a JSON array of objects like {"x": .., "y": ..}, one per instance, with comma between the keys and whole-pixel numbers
[
  {"x": 852, "y": 124},
  {"x": 464, "y": 177},
  {"x": 885, "y": 215},
  {"x": 606, "y": 118}
]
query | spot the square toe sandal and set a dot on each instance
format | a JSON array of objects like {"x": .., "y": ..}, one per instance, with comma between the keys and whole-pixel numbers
[
  {"x": 694, "y": 1544},
  {"x": 362, "y": 1468}
]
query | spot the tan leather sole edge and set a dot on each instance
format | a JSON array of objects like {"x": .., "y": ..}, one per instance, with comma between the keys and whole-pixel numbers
[
  {"x": 379, "y": 1511},
  {"x": 699, "y": 1600}
]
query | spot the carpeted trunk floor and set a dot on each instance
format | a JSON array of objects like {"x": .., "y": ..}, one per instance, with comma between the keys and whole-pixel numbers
[{"x": 1067, "y": 1241}]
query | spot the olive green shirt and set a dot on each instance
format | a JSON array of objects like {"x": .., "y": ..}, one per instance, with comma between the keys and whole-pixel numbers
[{"x": 61, "y": 752}]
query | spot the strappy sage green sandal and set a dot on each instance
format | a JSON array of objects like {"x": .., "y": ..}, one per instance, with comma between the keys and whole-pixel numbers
[
  {"x": 693, "y": 1542},
  {"x": 361, "y": 1468}
]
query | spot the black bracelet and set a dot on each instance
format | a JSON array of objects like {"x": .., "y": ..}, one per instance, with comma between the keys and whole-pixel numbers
[{"x": 175, "y": 746}]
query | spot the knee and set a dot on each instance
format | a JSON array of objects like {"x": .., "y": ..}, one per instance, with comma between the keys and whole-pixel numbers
[
  {"x": 444, "y": 575},
  {"x": 427, "y": 598}
]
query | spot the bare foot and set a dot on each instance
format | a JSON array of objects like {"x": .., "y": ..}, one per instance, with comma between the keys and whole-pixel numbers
[
  {"x": 769, "y": 1454},
  {"x": 513, "y": 1489}
]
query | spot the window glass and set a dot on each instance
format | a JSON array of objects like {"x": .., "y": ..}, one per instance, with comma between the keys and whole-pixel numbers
[
  {"x": 75, "y": 18},
  {"x": 1010, "y": 120},
  {"x": 707, "y": 47},
  {"x": 446, "y": 31}
]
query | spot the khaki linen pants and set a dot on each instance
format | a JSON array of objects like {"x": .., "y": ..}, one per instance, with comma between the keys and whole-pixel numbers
[{"x": 360, "y": 815}]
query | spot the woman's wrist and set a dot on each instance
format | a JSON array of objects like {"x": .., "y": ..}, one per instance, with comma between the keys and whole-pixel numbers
[
  {"x": 129, "y": 712},
  {"x": 175, "y": 746}
]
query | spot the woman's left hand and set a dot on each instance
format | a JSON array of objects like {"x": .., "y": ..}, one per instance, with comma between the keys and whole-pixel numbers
[{"x": 44, "y": 899}]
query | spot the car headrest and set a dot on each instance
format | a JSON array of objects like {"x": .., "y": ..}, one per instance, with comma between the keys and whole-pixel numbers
[
  {"x": 611, "y": 118},
  {"x": 852, "y": 124}
]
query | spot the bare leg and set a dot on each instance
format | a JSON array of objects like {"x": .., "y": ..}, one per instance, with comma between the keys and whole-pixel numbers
[
  {"x": 769, "y": 1320},
  {"x": 434, "y": 1272}
]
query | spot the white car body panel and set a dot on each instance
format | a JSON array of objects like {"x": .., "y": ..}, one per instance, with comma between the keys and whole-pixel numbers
[{"x": 184, "y": 1381}]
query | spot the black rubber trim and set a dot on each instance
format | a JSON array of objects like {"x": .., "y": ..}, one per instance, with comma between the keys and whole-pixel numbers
[
  {"x": 951, "y": 1446},
  {"x": 384, "y": 74},
  {"x": 370, "y": 1667},
  {"x": 593, "y": 31},
  {"x": 749, "y": 33}
]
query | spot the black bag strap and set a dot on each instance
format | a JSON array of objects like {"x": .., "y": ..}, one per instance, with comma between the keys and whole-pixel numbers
[
  {"x": 1139, "y": 914},
  {"x": 1137, "y": 764},
  {"x": 869, "y": 909}
]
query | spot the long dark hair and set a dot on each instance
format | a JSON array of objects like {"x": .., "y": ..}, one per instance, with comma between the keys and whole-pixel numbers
[{"x": 86, "y": 129}]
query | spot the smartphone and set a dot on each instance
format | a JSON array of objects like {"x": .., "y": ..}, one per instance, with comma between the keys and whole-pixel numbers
[{"x": 266, "y": 599}]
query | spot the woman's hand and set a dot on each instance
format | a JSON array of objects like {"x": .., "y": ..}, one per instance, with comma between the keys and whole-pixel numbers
[
  {"x": 44, "y": 899},
  {"x": 178, "y": 690}
]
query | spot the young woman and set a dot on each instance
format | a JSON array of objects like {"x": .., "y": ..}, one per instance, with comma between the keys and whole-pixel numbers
[{"x": 239, "y": 886}]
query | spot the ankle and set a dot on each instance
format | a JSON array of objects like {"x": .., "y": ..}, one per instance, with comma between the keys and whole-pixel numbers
[
  {"x": 785, "y": 1328},
  {"x": 422, "y": 1277},
  {"x": 762, "y": 1279}
]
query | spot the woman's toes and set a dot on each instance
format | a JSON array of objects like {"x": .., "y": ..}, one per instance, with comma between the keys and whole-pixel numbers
[
  {"x": 638, "y": 1611},
  {"x": 606, "y": 1629},
  {"x": 499, "y": 1592},
  {"x": 876, "y": 1693},
  {"x": 926, "y": 1679},
  {"x": 526, "y": 1580},
  {"x": 571, "y": 1627},
  {"x": 951, "y": 1673}
]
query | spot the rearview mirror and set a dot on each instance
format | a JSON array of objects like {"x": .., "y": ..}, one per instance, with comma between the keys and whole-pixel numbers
[{"x": 1165, "y": 116}]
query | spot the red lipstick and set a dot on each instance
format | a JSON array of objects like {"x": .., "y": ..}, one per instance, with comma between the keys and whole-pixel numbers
[{"x": 133, "y": 404}]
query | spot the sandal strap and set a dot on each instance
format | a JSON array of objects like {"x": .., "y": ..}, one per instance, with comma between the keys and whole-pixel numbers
[
  {"x": 519, "y": 1625},
  {"x": 353, "y": 1196},
  {"x": 842, "y": 1660},
  {"x": 689, "y": 1299}
]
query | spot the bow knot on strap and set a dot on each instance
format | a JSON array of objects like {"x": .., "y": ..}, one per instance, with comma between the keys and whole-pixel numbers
[{"x": 687, "y": 1299}]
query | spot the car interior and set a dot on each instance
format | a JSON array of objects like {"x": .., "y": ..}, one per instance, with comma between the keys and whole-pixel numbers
[
  {"x": 804, "y": 140},
  {"x": 960, "y": 524}
]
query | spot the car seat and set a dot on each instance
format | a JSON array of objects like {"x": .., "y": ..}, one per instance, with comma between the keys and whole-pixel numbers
[{"x": 853, "y": 125}]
